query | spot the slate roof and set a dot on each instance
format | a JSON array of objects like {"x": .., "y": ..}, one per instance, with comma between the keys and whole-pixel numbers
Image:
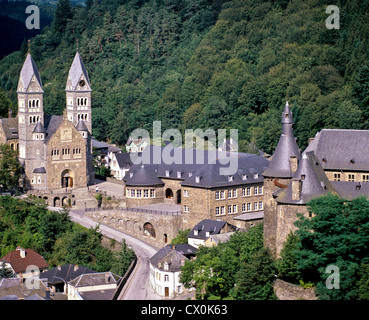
[
  {"x": 173, "y": 255},
  {"x": 39, "y": 170},
  {"x": 20, "y": 264},
  {"x": 250, "y": 168},
  {"x": 249, "y": 216},
  {"x": 10, "y": 127},
  {"x": 314, "y": 181},
  {"x": 95, "y": 279},
  {"x": 29, "y": 70},
  {"x": 76, "y": 71},
  {"x": 14, "y": 289},
  {"x": 65, "y": 272},
  {"x": 81, "y": 126},
  {"x": 206, "y": 225},
  {"x": 52, "y": 123},
  {"x": 39, "y": 128},
  {"x": 341, "y": 149},
  {"x": 123, "y": 159},
  {"x": 351, "y": 190},
  {"x": 287, "y": 146}
]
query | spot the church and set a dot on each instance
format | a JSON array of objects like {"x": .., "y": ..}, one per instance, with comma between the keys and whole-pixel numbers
[{"x": 55, "y": 151}]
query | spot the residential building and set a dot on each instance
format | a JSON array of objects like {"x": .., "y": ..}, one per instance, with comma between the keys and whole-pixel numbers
[
  {"x": 165, "y": 269},
  {"x": 120, "y": 165},
  {"x": 25, "y": 262}
]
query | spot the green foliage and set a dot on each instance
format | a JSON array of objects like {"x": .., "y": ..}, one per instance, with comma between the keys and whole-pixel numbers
[
  {"x": 222, "y": 271},
  {"x": 30, "y": 225},
  {"x": 338, "y": 234},
  {"x": 181, "y": 237},
  {"x": 10, "y": 168}
]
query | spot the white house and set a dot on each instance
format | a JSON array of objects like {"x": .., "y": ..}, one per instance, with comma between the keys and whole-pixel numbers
[
  {"x": 165, "y": 269},
  {"x": 120, "y": 164},
  {"x": 204, "y": 229}
]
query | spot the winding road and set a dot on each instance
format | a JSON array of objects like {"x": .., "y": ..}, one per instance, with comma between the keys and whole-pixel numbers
[{"x": 138, "y": 286}]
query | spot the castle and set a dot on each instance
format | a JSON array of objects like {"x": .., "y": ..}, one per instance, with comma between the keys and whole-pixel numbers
[{"x": 55, "y": 151}]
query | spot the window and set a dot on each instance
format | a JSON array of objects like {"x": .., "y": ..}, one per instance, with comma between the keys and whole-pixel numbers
[
  {"x": 222, "y": 195},
  {"x": 217, "y": 211},
  {"x": 248, "y": 191},
  {"x": 260, "y": 205},
  {"x": 256, "y": 175},
  {"x": 166, "y": 277},
  {"x": 244, "y": 177},
  {"x": 255, "y": 206},
  {"x": 230, "y": 178},
  {"x": 260, "y": 190},
  {"x": 146, "y": 193},
  {"x": 139, "y": 193},
  {"x": 186, "y": 209},
  {"x": 179, "y": 174},
  {"x": 229, "y": 193},
  {"x": 365, "y": 177},
  {"x": 235, "y": 208},
  {"x": 222, "y": 210},
  {"x": 256, "y": 191},
  {"x": 167, "y": 173},
  {"x": 234, "y": 191},
  {"x": 244, "y": 192},
  {"x": 186, "y": 193},
  {"x": 244, "y": 207},
  {"x": 197, "y": 179},
  {"x": 133, "y": 193},
  {"x": 351, "y": 177},
  {"x": 152, "y": 193},
  {"x": 249, "y": 206},
  {"x": 337, "y": 177},
  {"x": 217, "y": 195},
  {"x": 229, "y": 209}
]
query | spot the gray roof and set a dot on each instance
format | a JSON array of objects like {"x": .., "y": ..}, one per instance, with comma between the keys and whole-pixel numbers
[
  {"x": 351, "y": 190},
  {"x": 77, "y": 70},
  {"x": 250, "y": 216},
  {"x": 314, "y": 181},
  {"x": 173, "y": 256},
  {"x": 81, "y": 126},
  {"x": 65, "y": 272},
  {"x": 10, "y": 126},
  {"x": 124, "y": 159},
  {"x": 29, "y": 70},
  {"x": 206, "y": 225},
  {"x": 222, "y": 237},
  {"x": 341, "y": 149},
  {"x": 280, "y": 162},
  {"x": 250, "y": 168},
  {"x": 39, "y": 128},
  {"x": 52, "y": 123},
  {"x": 95, "y": 279},
  {"x": 39, "y": 170}
]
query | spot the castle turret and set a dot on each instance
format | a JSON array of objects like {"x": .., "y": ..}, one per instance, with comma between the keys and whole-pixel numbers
[
  {"x": 283, "y": 165},
  {"x": 78, "y": 94}
]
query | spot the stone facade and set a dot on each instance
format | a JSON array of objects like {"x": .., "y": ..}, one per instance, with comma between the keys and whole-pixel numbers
[
  {"x": 288, "y": 291},
  {"x": 144, "y": 195},
  {"x": 158, "y": 229}
]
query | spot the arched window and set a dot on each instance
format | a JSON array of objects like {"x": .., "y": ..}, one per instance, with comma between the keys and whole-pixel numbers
[{"x": 149, "y": 230}]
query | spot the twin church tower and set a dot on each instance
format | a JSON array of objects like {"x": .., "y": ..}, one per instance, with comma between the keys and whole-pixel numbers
[{"x": 55, "y": 151}]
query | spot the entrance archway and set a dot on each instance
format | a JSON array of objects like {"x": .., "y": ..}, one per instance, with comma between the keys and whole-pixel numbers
[
  {"x": 168, "y": 193},
  {"x": 67, "y": 179}
]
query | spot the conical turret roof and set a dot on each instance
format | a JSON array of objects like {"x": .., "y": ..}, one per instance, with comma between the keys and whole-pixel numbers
[
  {"x": 39, "y": 128},
  {"x": 76, "y": 71},
  {"x": 279, "y": 166}
]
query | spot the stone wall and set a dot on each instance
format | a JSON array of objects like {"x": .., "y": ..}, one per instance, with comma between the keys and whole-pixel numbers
[
  {"x": 139, "y": 224},
  {"x": 288, "y": 291}
]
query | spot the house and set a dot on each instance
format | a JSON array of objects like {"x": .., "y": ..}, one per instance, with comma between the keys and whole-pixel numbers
[
  {"x": 215, "y": 239},
  {"x": 120, "y": 164},
  {"x": 204, "y": 229},
  {"x": 24, "y": 262},
  {"x": 104, "y": 152},
  {"x": 32, "y": 288},
  {"x": 94, "y": 286},
  {"x": 58, "y": 277},
  {"x": 165, "y": 268},
  {"x": 137, "y": 145}
]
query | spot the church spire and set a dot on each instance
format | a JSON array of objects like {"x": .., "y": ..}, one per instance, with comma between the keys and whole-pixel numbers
[
  {"x": 280, "y": 165},
  {"x": 78, "y": 76},
  {"x": 29, "y": 74}
]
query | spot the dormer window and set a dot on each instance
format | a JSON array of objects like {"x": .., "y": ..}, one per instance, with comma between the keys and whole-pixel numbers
[
  {"x": 256, "y": 175},
  {"x": 166, "y": 265},
  {"x": 244, "y": 177},
  {"x": 131, "y": 174},
  {"x": 207, "y": 234},
  {"x": 190, "y": 174},
  {"x": 179, "y": 174},
  {"x": 196, "y": 232},
  {"x": 230, "y": 178},
  {"x": 197, "y": 179},
  {"x": 167, "y": 173}
]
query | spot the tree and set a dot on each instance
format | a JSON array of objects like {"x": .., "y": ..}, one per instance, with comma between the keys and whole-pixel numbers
[
  {"x": 122, "y": 259},
  {"x": 254, "y": 281},
  {"x": 63, "y": 13},
  {"x": 337, "y": 234},
  {"x": 5, "y": 271},
  {"x": 10, "y": 168},
  {"x": 181, "y": 237}
]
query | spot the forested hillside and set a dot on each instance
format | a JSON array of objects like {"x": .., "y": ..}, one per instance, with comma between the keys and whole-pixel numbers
[{"x": 208, "y": 63}]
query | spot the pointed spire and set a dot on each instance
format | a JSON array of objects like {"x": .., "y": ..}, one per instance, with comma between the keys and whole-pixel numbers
[
  {"x": 280, "y": 165},
  {"x": 76, "y": 72},
  {"x": 29, "y": 70}
]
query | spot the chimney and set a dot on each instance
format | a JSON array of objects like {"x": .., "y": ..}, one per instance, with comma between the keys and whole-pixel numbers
[
  {"x": 296, "y": 189},
  {"x": 76, "y": 267},
  {"x": 310, "y": 140},
  {"x": 293, "y": 163},
  {"x": 173, "y": 247},
  {"x": 10, "y": 113},
  {"x": 107, "y": 277},
  {"x": 47, "y": 294},
  {"x": 22, "y": 252}
]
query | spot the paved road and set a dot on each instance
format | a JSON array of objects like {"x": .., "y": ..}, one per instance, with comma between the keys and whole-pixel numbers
[{"x": 138, "y": 286}]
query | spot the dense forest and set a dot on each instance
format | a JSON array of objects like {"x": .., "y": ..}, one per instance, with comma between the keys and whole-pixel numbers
[{"x": 207, "y": 64}]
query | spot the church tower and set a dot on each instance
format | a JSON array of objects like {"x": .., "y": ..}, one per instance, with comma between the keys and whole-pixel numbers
[
  {"x": 30, "y": 120},
  {"x": 282, "y": 166},
  {"x": 78, "y": 94}
]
